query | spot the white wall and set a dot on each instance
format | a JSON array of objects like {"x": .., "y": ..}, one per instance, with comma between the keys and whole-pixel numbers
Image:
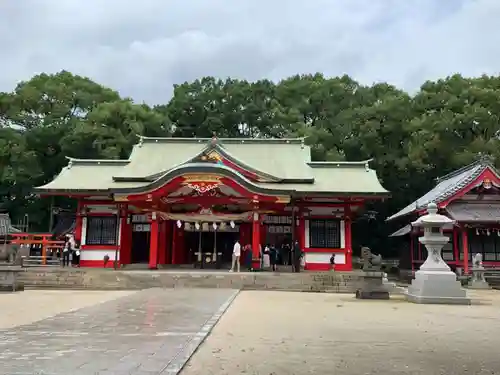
[
  {"x": 97, "y": 254},
  {"x": 324, "y": 258}
]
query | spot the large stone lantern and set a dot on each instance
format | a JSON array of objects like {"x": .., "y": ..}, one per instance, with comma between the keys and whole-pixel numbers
[{"x": 435, "y": 282}]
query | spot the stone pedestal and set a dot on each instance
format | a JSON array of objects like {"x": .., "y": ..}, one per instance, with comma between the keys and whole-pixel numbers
[
  {"x": 9, "y": 281},
  {"x": 478, "y": 280},
  {"x": 372, "y": 286},
  {"x": 435, "y": 282},
  {"x": 437, "y": 287}
]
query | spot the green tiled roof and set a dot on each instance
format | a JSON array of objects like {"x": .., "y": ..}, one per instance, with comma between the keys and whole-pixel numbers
[{"x": 286, "y": 162}]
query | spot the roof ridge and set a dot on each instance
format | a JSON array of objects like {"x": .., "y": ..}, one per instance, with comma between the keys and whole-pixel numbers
[
  {"x": 357, "y": 163},
  {"x": 143, "y": 139},
  {"x": 97, "y": 161},
  {"x": 482, "y": 161}
]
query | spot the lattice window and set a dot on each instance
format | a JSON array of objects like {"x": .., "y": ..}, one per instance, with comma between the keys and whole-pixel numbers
[
  {"x": 101, "y": 230},
  {"x": 324, "y": 233}
]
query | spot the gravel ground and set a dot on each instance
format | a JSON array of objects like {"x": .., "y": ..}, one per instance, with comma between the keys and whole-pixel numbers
[{"x": 303, "y": 333}]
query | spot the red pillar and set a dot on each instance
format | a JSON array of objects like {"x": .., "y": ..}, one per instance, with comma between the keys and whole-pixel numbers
[
  {"x": 302, "y": 233},
  {"x": 256, "y": 240},
  {"x": 412, "y": 255},
  {"x": 174, "y": 243},
  {"x": 79, "y": 221},
  {"x": 153, "y": 245},
  {"x": 162, "y": 242},
  {"x": 125, "y": 241},
  {"x": 348, "y": 243},
  {"x": 456, "y": 251},
  {"x": 465, "y": 247}
]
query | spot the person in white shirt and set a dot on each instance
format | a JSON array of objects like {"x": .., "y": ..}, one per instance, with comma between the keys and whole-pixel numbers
[{"x": 236, "y": 257}]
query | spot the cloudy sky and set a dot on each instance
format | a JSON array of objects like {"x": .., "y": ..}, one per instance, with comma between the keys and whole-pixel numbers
[{"x": 143, "y": 47}]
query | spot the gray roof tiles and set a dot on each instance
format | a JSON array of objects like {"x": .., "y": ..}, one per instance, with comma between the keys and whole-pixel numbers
[{"x": 447, "y": 186}]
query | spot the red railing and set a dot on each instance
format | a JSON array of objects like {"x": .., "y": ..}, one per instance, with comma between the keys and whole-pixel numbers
[{"x": 41, "y": 240}]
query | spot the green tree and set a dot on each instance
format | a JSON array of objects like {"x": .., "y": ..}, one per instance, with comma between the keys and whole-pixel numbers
[{"x": 18, "y": 167}]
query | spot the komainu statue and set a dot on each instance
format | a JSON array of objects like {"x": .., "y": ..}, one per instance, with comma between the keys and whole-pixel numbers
[
  {"x": 478, "y": 280},
  {"x": 371, "y": 262},
  {"x": 477, "y": 261},
  {"x": 10, "y": 254}
]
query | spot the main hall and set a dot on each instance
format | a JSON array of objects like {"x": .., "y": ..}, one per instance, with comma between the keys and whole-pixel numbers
[{"x": 185, "y": 201}]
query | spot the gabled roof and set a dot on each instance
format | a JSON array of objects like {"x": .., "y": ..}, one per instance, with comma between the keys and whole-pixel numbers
[
  {"x": 285, "y": 165},
  {"x": 280, "y": 159},
  {"x": 448, "y": 186}
]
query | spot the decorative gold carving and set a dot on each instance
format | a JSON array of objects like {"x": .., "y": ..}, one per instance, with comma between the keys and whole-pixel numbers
[
  {"x": 121, "y": 198},
  {"x": 214, "y": 156},
  {"x": 207, "y": 178},
  {"x": 202, "y": 187},
  {"x": 283, "y": 199}
]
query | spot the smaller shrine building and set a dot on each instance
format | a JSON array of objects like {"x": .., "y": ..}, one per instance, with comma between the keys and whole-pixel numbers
[
  {"x": 179, "y": 201},
  {"x": 471, "y": 197}
]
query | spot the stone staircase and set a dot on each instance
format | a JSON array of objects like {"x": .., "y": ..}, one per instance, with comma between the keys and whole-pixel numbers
[{"x": 108, "y": 279}]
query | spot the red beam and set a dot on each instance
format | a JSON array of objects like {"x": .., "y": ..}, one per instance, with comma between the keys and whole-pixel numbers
[
  {"x": 246, "y": 193},
  {"x": 201, "y": 200},
  {"x": 92, "y": 202},
  {"x": 318, "y": 204}
]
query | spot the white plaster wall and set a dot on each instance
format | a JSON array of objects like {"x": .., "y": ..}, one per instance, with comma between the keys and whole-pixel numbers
[
  {"x": 97, "y": 254},
  {"x": 324, "y": 258},
  {"x": 325, "y": 211},
  {"x": 317, "y": 258},
  {"x": 84, "y": 231},
  {"x": 342, "y": 234},
  {"x": 306, "y": 234},
  {"x": 111, "y": 208}
]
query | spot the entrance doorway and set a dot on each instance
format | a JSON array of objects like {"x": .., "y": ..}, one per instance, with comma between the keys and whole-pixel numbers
[
  {"x": 141, "y": 237},
  {"x": 216, "y": 248}
]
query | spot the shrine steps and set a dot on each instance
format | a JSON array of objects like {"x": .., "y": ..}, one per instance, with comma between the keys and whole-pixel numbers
[{"x": 108, "y": 279}]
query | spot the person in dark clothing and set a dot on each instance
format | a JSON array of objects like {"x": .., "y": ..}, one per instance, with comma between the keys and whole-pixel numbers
[
  {"x": 65, "y": 255},
  {"x": 297, "y": 256},
  {"x": 247, "y": 257},
  {"x": 76, "y": 255},
  {"x": 273, "y": 257},
  {"x": 285, "y": 253}
]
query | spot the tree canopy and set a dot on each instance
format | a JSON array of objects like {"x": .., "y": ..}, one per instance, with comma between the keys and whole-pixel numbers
[{"x": 412, "y": 138}]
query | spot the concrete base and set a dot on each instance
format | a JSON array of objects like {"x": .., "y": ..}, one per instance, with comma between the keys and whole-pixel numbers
[
  {"x": 373, "y": 294},
  {"x": 478, "y": 284},
  {"x": 9, "y": 279},
  {"x": 437, "y": 287},
  {"x": 19, "y": 287},
  {"x": 372, "y": 286}
]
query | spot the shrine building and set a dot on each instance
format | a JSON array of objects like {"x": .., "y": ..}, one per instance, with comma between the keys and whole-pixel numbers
[
  {"x": 471, "y": 197},
  {"x": 179, "y": 201}
]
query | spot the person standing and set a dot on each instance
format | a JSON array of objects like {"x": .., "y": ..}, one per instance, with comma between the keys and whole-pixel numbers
[
  {"x": 285, "y": 253},
  {"x": 273, "y": 257},
  {"x": 76, "y": 254},
  {"x": 236, "y": 257},
  {"x": 66, "y": 251},
  {"x": 248, "y": 257},
  {"x": 297, "y": 256}
]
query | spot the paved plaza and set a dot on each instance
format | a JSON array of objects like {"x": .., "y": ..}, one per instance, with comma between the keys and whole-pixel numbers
[
  {"x": 155, "y": 331},
  {"x": 139, "y": 333}
]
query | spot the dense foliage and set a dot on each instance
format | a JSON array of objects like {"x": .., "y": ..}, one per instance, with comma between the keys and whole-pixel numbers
[{"x": 413, "y": 139}]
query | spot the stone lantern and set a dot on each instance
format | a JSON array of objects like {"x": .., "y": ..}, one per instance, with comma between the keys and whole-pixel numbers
[{"x": 435, "y": 282}]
